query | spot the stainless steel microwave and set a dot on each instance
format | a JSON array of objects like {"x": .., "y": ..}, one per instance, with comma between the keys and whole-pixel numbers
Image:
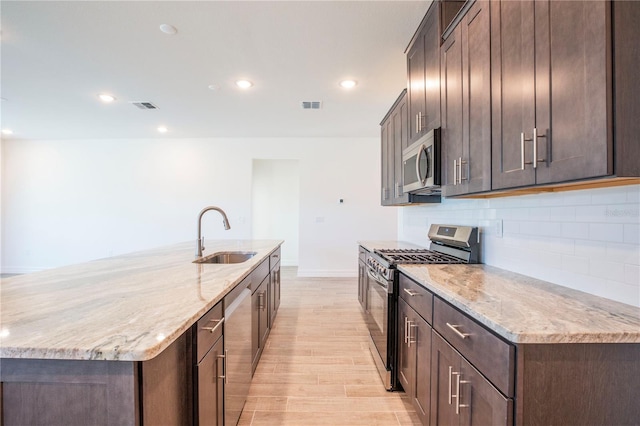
[{"x": 421, "y": 164}]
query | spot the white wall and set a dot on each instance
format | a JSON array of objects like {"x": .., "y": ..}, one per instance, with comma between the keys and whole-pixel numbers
[
  {"x": 588, "y": 239},
  {"x": 70, "y": 201},
  {"x": 276, "y": 205}
]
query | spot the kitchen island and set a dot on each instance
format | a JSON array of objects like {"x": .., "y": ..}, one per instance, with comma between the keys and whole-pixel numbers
[{"x": 100, "y": 338}]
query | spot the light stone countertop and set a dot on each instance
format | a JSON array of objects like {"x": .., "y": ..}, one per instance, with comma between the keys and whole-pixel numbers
[
  {"x": 129, "y": 307},
  {"x": 527, "y": 310}
]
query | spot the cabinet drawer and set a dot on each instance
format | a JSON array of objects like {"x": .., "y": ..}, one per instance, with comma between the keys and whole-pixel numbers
[
  {"x": 258, "y": 274},
  {"x": 208, "y": 330},
  {"x": 418, "y": 297},
  {"x": 274, "y": 258},
  {"x": 491, "y": 355}
]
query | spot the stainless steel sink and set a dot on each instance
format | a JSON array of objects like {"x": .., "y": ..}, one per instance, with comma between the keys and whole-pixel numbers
[{"x": 226, "y": 257}]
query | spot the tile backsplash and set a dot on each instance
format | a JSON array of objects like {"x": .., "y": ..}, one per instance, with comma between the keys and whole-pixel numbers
[{"x": 588, "y": 240}]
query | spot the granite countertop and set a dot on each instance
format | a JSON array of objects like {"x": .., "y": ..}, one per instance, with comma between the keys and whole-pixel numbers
[
  {"x": 127, "y": 308},
  {"x": 527, "y": 310}
]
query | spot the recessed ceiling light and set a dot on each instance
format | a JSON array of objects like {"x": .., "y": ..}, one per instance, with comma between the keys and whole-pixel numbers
[
  {"x": 244, "y": 84},
  {"x": 214, "y": 87},
  {"x": 163, "y": 129},
  {"x": 348, "y": 84},
  {"x": 7, "y": 131},
  {"x": 106, "y": 98},
  {"x": 168, "y": 29}
]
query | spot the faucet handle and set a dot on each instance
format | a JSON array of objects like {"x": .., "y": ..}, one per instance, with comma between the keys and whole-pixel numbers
[{"x": 202, "y": 243}]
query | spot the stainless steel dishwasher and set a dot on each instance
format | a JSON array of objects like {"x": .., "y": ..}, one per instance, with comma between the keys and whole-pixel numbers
[{"x": 237, "y": 342}]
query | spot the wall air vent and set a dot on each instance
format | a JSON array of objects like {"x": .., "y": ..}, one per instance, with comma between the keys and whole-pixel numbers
[
  {"x": 311, "y": 104},
  {"x": 145, "y": 105}
]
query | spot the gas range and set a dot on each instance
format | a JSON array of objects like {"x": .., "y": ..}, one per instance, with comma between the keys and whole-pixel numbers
[{"x": 449, "y": 244}]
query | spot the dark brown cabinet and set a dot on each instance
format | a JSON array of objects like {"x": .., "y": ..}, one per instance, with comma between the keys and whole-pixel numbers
[
  {"x": 551, "y": 74},
  {"x": 362, "y": 278},
  {"x": 210, "y": 378},
  {"x": 466, "y": 104},
  {"x": 414, "y": 358},
  {"x": 461, "y": 395},
  {"x": 394, "y": 134},
  {"x": 274, "y": 286},
  {"x": 423, "y": 75},
  {"x": 259, "y": 321}
]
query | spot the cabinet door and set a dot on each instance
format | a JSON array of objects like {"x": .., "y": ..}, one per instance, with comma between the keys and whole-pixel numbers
[
  {"x": 452, "y": 107},
  {"x": 445, "y": 367},
  {"x": 573, "y": 106},
  {"x": 421, "y": 343},
  {"x": 416, "y": 89},
  {"x": 259, "y": 321},
  {"x": 400, "y": 142},
  {"x": 263, "y": 307},
  {"x": 406, "y": 355},
  {"x": 513, "y": 92},
  {"x": 362, "y": 281},
  {"x": 480, "y": 403},
  {"x": 210, "y": 387},
  {"x": 431, "y": 42},
  {"x": 475, "y": 165},
  {"x": 386, "y": 166}
]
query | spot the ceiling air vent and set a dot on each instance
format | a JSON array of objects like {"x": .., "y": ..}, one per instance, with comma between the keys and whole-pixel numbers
[
  {"x": 145, "y": 105},
  {"x": 311, "y": 104}
]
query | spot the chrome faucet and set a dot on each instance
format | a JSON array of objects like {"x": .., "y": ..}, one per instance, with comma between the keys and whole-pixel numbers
[{"x": 225, "y": 222}]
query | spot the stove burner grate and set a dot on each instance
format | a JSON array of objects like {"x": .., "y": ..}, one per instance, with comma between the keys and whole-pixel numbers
[{"x": 417, "y": 256}]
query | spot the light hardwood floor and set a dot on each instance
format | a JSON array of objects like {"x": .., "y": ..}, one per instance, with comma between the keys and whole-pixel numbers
[{"x": 316, "y": 368}]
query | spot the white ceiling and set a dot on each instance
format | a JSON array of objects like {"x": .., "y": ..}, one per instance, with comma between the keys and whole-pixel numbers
[{"x": 58, "y": 56}]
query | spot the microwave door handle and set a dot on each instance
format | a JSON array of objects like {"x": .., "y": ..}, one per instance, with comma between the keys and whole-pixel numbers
[
  {"x": 419, "y": 178},
  {"x": 423, "y": 151}
]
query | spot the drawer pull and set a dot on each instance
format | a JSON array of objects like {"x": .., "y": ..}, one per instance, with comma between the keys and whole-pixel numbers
[
  {"x": 214, "y": 329},
  {"x": 410, "y": 292},
  {"x": 458, "y": 332}
]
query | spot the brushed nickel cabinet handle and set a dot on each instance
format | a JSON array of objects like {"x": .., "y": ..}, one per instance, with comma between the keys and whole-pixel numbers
[
  {"x": 224, "y": 366},
  {"x": 410, "y": 292},
  {"x": 455, "y": 168},
  {"x": 460, "y": 163},
  {"x": 522, "y": 139},
  {"x": 536, "y": 136},
  {"x": 458, "y": 395},
  {"x": 411, "y": 339},
  {"x": 214, "y": 329},
  {"x": 458, "y": 332},
  {"x": 406, "y": 329}
]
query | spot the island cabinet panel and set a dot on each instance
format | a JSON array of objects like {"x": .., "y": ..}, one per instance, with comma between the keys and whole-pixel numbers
[
  {"x": 551, "y": 83},
  {"x": 166, "y": 383},
  {"x": 39, "y": 392}
]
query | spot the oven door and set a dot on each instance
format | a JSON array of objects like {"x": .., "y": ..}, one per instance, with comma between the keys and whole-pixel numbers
[{"x": 378, "y": 314}]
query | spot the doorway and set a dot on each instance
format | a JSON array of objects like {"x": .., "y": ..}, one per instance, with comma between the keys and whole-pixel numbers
[{"x": 275, "y": 200}]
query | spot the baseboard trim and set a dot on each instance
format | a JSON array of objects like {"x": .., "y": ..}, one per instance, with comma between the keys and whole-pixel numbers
[{"x": 19, "y": 270}]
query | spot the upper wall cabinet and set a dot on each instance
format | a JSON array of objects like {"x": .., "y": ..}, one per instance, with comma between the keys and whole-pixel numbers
[
  {"x": 466, "y": 104},
  {"x": 423, "y": 75},
  {"x": 552, "y": 111},
  {"x": 394, "y": 139}
]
